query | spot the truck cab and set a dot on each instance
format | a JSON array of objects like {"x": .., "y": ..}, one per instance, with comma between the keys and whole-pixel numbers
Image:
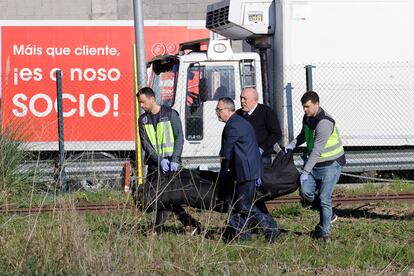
[{"x": 193, "y": 81}]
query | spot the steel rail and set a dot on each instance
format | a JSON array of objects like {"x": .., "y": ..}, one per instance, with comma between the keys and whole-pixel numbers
[
  {"x": 349, "y": 200},
  {"x": 345, "y": 200},
  {"x": 77, "y": 208}
]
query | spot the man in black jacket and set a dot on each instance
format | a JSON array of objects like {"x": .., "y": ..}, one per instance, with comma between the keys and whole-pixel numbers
[
  {"x": 266, "y": 127},
  {"x": 264, "y": 121}
]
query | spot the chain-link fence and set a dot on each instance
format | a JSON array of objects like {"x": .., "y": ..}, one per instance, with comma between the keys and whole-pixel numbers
[{"x": 371, "y": 104}]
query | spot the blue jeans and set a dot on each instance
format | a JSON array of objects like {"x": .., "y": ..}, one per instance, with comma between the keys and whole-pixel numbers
[
  {"x": 317, "y": 191},
  {"x": 245, "y": 214}
]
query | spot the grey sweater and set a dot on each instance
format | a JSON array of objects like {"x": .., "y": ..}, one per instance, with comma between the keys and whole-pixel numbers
[{"x": 322, "y": 133}]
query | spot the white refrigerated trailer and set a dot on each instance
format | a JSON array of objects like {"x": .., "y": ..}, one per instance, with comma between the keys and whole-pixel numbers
[{"x": 362, "y": 56}]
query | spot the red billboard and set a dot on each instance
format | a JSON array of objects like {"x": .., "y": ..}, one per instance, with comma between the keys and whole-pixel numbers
[{"x": 97, "y": 67}]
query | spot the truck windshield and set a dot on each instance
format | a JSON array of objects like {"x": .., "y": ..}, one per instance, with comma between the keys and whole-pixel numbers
[
  {"x": 219, "y": 80},
  {"x": 164, "y": 85}
]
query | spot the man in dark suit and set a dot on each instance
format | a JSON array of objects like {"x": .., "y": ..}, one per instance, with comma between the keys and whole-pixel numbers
[
  {"x": 241, "y": 162},
  {"x": 266, "y": 127}
]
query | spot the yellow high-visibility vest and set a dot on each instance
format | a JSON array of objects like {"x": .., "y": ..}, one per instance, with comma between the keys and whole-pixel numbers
[
  {"x": 161, "y": 137},
  {"x": 333, "y": 147}
]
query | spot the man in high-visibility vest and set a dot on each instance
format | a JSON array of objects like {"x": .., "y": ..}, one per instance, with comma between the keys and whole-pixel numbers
[
  {"x": 323, "y": 167},
  {"x": 161, "y": 134},
  {"x": 162, "y": 140}
]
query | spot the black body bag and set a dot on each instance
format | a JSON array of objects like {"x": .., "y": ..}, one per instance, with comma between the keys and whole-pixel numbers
[
  {"x": 205, "y": 190},
  {"x": 194, "y": 188},
  {"x": 281, "y": 178}
]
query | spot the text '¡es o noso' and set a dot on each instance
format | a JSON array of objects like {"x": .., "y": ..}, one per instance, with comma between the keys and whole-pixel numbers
[{"x": 75, "y": 74}]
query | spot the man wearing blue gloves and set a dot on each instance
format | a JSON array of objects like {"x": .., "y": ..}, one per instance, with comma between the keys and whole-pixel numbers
[
  {"x": 161, "y": 134},
  {"x": 323, "y": 167}
]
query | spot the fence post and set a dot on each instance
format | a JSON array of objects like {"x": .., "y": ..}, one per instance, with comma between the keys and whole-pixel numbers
[
  {"x": 61, "y": 165},
  {"x": 141, "y": 81},
  {"x": 289, "y": 111},
  {"x": 309, "y": 81}
]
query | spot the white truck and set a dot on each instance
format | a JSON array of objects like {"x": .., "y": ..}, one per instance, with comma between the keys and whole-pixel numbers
[
  {"x": 192, "y": 83},
  {"x": 363, "y": 59}
]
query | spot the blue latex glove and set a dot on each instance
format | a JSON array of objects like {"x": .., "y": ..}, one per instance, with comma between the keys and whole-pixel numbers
[
  {"x": 303, "y": 178},
  {"x": 289, "y": 147},
  {"x": 261, "y": 151},
  {"x": 165, "y": 165},
  {"x": 174, "y": 166},
  {"x": 258, "y": 182}
]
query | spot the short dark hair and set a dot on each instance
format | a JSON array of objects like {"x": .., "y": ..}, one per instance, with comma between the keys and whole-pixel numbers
[
  {"x": 310, "y": 96},
  {"x": 228, "y": 103},
  {"x": 147, "y": 91}
]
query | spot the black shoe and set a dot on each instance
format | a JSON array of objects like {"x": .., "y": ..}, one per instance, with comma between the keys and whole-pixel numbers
[
  {"x": 228, "y": 235},
  {"x": 273, "y": 237},
  {"x": 316, "y": 234},
  {"x": 319, "y": 237},
  {"x": 208, "y": 234}
]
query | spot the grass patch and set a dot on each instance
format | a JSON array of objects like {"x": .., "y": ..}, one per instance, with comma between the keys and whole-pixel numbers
[
  {"x": 119, "y": 243},
  {"x": 375, "y": 188},
  {"x": 50, "y": 198},
  {"x": 82, "y": 197},
  {"x": 14, "y": 181},
  {"x": 374, "y": 240},
  {"x": 288, "y": 210}
]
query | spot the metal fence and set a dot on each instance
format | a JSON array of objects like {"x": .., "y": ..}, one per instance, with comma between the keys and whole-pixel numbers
[
  {"x": 372, "y": 106},
  {"x": 371, "y": 103}
]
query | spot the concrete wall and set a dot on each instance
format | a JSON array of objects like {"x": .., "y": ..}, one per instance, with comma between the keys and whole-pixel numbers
[{"x": 101, "y": 9}]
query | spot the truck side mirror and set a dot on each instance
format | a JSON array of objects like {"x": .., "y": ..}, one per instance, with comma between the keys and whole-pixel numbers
[{"x": 202, "y": 90}]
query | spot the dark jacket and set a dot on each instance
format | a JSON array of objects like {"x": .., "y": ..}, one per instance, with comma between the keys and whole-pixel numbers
[
  {"x": 266, "y": 127},
  {"x": 165, "y": 114},
  {"x": 239, "y": 150}
]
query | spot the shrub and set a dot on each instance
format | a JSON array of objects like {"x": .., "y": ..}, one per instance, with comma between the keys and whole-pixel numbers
[{"x": 13, "y": 179}]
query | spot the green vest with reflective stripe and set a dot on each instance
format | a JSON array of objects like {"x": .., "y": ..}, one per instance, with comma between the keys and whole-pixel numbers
[
  {"x": 161, "y": 137},
  {"x": 333, "y": 147}
]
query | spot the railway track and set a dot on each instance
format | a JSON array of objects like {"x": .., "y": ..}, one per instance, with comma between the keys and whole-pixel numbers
[
  {"x": 349, "y": 200},
  {"x": 338, "y": 200},
  {"x": 77, "y": 208}
]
